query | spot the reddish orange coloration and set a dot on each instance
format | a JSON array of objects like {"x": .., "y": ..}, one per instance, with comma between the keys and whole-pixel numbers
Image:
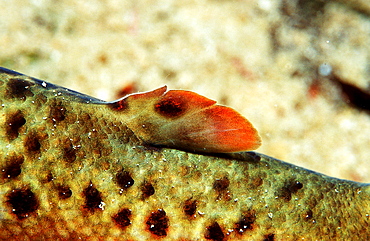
[
  {"x": 127, "y": 89},
  {"x": 185, "y": 120}
]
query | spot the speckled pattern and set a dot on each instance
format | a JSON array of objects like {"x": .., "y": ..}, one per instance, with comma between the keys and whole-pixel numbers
[{"x": 70, "y": 169}]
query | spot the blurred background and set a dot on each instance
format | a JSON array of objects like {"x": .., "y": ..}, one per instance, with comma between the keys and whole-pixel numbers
[{"x": 298, "y": 70}]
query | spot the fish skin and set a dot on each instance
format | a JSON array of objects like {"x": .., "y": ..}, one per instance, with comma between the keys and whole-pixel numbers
[{"x": 71, "y": 169}]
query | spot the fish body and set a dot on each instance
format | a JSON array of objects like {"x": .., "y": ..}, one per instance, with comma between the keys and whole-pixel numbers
[{"x": 72, "y": 169}]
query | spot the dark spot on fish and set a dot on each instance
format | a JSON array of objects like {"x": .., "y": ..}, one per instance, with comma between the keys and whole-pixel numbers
[
  {"x": 100, "y": 148},
  {"x": 269, "y": 237},
  {"x": 214, "y": 232},
  {"x": 64, "y": 192},
  {"x": 49, "y": 177},
  {"x": 308, "y": 214},
  {"x": 23, "y": 202},
  {"x": 288, "y": 189},
  {"x": 18, "y": 88},
  {"x": 122, "y": 218},
  {"x": 147, "y": 189},
  {"x": 246, "y": 222},
  {"x": 171, "y": 108},
  {"x": 124, "y": 180},
  {"x": 221, "y": 184},
  {"x": 57, "y": 112},
  {"x": 295, "y": 187},
  {"x": 92, "y": 198},
  {"x": 256, "y": 182},
  {"x": 119, "y": 105},
  {"x": 69, "y": 152},
  {"x": 13, "y": 167},
  {"x": 32, "y": 142},
  {"x": 190, "y": 207},
  {"x": 13, "y": 123},
  {"x": 157, "y": 223}
]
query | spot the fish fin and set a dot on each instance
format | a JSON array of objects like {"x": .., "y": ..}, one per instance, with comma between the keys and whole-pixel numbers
[
  {"x": 137, "y": 100},
  {"x": 227, "y": 131},
  {"x": 149, "y": 94},
  {"x": 186, "y": 120},
  {"x": 196, "y": 123}
]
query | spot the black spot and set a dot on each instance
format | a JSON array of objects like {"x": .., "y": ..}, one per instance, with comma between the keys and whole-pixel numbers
[
  {"x": 295, "y": 187},
  {"x": 13, "y": 167},
  {"x": 122, "y": 219},
  {"x": 69, "y": 152},
  {"x": 172, "y": 108},
  {"x": 190, "y": 207},
  {"x": 92, "y": 198},
  {"x": 269, "y": 237},
  {"x": 124, "y": 180},
  {"x": 32, "y": 142},
  {"x": 214, "y": 232},
  {"x": 64, "y": 192},
  {"x": 119, "y": 105},
  {"x": 18, "y": 88},
  {"x": 57, "y": 112},
  {"x": 308, "y": 214},
  {"x": 147, "y": 189},
  {"x": 49, "y": 177},
  {"x": 246, "y": 222},
  {"x": 23, "y": 202},
  {"x": 13, "y": 123},
  {"x": 157, "y": 223},
  {"x": 288, "y": 189},
  {"x": 221, "y": 184}
]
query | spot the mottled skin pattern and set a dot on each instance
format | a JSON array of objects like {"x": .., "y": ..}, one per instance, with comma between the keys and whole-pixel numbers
[{"x": 70, "y": 169}]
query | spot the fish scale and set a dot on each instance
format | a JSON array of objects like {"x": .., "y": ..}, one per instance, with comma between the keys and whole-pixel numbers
[{"x": 71, "y": 169}]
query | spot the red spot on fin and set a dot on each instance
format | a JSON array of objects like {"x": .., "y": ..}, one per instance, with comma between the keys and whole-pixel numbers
[{"x": 185, "y": 120}]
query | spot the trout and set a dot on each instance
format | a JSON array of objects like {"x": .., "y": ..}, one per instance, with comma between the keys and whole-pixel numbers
[{"x": 74, "y": 167}]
